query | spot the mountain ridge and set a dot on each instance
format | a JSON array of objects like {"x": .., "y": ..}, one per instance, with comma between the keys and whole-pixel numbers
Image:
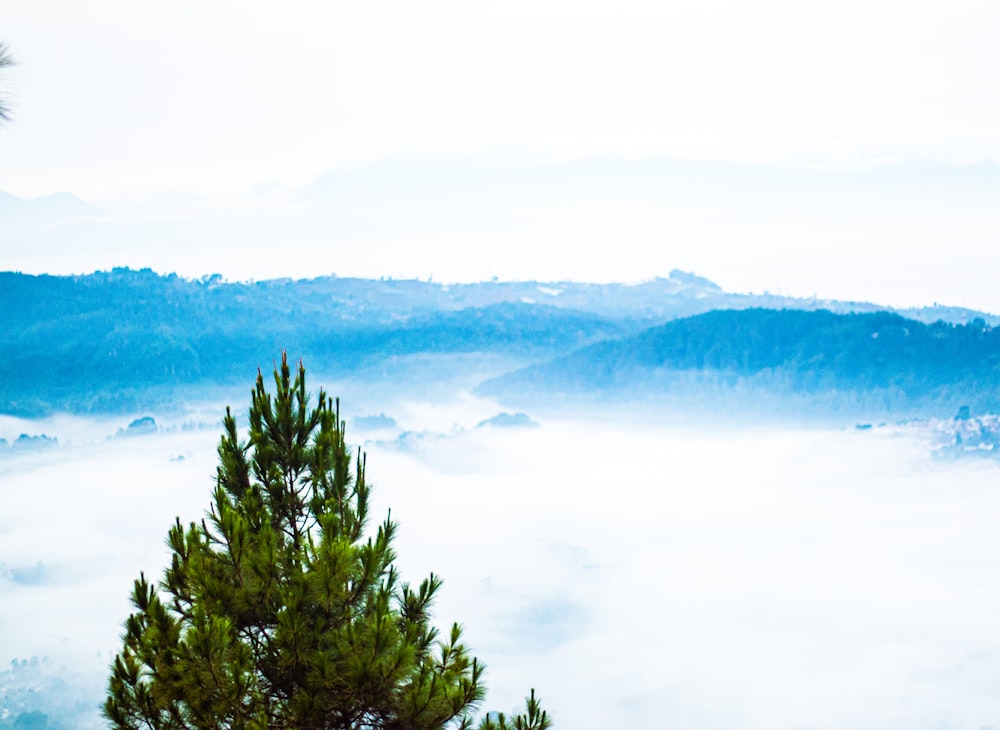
[
  {"x": 125, "y": 339},
  {"x": 879, "y": 361}
]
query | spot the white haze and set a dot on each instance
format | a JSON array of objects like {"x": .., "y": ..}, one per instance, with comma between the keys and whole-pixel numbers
[
  {"x": 194, "y": 125},
  {"x": 636, "y": 576}
]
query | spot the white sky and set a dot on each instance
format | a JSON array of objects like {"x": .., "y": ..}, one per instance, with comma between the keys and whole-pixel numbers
[{"x": 124, "y": 102}]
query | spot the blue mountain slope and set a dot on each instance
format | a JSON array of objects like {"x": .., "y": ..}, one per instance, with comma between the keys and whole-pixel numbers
[
  {"x": 127, "y": 340},
  {"x": 881, "y": 361}
]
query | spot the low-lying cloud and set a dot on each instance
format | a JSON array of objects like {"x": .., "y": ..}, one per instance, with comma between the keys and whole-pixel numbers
[{"x": 636, "y": 576}]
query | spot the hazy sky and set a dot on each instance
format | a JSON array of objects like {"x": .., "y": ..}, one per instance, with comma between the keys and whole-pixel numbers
[{"x": 146, "y": 104}]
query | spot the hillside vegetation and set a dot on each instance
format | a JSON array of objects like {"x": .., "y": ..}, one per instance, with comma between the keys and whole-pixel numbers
[
  {"x": 126, "y": 341},
  {"x": 876, "y": 362}
]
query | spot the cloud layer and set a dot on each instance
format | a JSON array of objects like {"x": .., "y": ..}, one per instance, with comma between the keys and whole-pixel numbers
[{"x": 636, "y": 576}]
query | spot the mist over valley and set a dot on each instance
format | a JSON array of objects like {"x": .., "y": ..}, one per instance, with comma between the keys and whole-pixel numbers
[
  {"x": 826, "y": 560},
  {"x": 640, "y": 570},
  {"x": 667, "y": 335},
  {"x": 124, "y": 341}
]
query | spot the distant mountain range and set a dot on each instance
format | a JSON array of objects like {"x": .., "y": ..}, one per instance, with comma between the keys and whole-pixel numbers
[
  {"x": 622, "y": 217},
  {"x": 23, "y": 216},
  {"x": 126, "y": 340}
]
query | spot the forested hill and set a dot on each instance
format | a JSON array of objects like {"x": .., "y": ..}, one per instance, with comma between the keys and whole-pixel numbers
[
  {"x": 865, "y": 362},
  {"x": 26, "y": 299},
  {"x": 128, "y": 340},
  {"x": 112, "y": 342}
]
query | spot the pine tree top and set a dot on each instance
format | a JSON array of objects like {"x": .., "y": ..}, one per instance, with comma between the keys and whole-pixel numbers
[{"x": 280, "y": 609}]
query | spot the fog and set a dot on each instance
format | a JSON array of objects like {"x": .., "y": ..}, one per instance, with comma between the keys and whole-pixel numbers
[{"x": 636, "y": 575}]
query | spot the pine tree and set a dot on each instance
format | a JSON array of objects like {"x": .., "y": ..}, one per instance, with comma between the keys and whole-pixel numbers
[
  {"x": 6, "y": 61},
  {"x": 277, "y": 611}
]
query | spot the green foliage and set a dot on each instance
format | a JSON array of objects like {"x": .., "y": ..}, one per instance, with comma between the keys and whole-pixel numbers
[
  {"x": 534, "y": 718},
  {"x": 6, "y": 61},
  {"x": 278, "y": 612}
]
